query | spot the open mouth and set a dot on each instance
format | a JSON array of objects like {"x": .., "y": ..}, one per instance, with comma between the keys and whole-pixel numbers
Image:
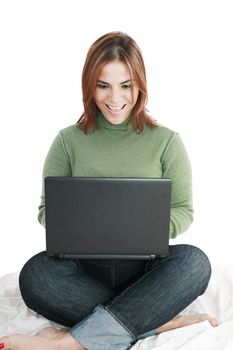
[{"x": 115, "y": 109}]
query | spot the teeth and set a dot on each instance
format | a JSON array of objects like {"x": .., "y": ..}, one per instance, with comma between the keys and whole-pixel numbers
[{"x": 115, "y": 108}]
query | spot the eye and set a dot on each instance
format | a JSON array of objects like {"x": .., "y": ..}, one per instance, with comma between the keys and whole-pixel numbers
[
  {"x": 101, "y": 85},
  {"x": 126, "y": 86}
]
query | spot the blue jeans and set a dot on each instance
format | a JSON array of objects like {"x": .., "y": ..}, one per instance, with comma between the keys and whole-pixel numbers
[{"x": 110, "y": 304}]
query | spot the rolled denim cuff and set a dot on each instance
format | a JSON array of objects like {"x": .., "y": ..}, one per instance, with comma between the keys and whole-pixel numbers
[{"x": 101, "y": 331}]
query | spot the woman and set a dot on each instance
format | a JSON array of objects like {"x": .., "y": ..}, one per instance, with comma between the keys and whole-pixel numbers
[{"x": 109, "y": 304}]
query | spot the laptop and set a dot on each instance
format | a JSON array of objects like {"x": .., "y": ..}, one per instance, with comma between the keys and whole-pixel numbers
[{"x": 114, "y": 218}]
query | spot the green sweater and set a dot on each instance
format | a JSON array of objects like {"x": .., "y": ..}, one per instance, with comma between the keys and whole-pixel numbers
[{"x": 118, "y": 151}]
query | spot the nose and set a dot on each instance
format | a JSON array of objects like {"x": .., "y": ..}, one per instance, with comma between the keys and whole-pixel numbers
[{"x": 114, "y": 95}]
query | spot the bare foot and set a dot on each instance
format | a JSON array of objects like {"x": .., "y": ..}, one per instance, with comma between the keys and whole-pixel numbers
[
  {"x": 185, "y": 320},
  {"x": 29, "y": 342}
]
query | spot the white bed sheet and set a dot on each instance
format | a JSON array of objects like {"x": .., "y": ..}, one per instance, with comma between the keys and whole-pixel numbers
[{"x": 15, "y": 317}]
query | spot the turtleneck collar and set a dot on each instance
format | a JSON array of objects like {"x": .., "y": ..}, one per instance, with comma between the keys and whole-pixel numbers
[{"x": 103, "y": 122}]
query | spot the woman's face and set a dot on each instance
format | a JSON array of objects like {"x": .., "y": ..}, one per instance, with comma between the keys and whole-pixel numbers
[{"x": 113, "y": 94}]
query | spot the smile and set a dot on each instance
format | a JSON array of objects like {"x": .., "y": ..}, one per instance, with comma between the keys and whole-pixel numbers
[{"x": 115, "y": 109}]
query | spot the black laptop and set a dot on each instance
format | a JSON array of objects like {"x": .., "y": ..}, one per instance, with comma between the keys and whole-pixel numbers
[{"x": 115, "y": 218}]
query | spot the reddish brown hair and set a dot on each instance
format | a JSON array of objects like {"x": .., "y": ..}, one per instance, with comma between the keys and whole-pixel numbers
[{"x": 111, "y": 47}]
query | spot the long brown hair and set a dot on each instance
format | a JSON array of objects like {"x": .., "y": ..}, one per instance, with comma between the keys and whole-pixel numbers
[{"x": 111, "y": 47}]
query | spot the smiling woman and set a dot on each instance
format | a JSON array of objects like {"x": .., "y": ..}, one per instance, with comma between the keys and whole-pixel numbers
[{"x": 108, "y": 303}]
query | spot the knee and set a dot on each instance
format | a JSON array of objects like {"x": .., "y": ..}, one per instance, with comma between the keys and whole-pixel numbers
[
  {"x": 196, "y": 264},
  {"x": 200, "y": 266},
  {"x": 30, "y": 279}
]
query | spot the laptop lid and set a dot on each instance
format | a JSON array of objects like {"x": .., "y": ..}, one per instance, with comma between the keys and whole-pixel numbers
[{"x": 107, "y": 217}]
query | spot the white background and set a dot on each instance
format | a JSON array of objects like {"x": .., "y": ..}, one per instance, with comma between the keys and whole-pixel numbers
[{"x": 188, "y": 51}]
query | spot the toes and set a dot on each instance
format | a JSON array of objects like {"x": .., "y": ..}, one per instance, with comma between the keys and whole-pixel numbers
[{"x": 214, "y": 322}]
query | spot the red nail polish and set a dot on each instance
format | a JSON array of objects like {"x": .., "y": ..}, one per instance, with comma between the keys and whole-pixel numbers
[{"x": 2, "y": 345}]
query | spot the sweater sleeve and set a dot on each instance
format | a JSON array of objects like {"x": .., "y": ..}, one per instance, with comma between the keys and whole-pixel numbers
[
  {"x": 57, "y": 163},
  {"x": 176, "y": 166}
]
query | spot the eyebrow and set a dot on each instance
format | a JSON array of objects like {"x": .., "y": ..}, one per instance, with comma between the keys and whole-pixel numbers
[{"x": 124, "y": 82}]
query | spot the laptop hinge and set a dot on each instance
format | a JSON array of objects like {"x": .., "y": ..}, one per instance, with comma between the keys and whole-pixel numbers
[{"x": 152, "y": 257}]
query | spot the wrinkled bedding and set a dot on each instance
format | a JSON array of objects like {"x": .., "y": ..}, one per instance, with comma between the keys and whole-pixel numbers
[{"x": 15, "y": 317}]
